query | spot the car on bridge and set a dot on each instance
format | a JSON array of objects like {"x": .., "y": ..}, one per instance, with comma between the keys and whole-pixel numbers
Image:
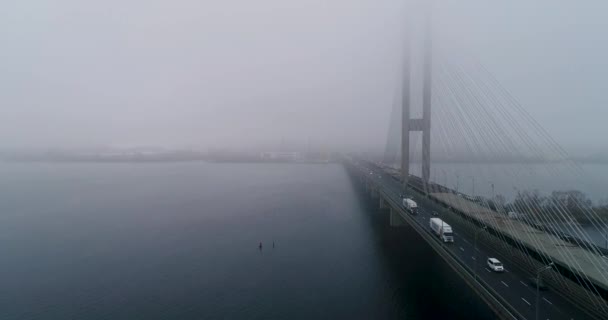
[{"x": 495, "y": 265}]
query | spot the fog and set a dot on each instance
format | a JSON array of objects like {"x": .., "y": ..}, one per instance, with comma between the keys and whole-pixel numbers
[{"x": 237, "y": 74}]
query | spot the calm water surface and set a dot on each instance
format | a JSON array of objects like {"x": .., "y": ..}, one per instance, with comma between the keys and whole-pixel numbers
[{"x": 180, "y": 241}]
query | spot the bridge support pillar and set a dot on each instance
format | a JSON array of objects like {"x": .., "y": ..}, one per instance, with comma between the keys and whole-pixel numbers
[
  {"x": 396, "y": 220},
  {"x": 419, "y": 124},
  {"x": 374, "y": 193},
  {"x": 382, "y": 203}
]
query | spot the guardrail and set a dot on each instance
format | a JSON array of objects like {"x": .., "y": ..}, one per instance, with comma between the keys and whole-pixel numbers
[
  {"x": 569, "y": 289},
  {"x": 500, "y": 306},
  {"x": 507, "y": 311}
]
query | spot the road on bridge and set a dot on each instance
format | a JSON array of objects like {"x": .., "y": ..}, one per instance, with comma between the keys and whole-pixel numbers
[{"x": 513, "y": 285}]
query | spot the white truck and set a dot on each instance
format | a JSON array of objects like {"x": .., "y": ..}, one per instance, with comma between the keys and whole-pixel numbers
[
  {"x": 441, "y": 229},
  {"x": 410, "y": 205}
]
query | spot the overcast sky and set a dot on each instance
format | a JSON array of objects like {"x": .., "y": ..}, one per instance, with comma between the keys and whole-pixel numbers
[{"x": 197, "y": 73}]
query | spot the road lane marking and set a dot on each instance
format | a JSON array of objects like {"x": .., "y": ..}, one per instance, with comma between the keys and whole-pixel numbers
[
  {"x": 506, "y": 270},
  {"x": 477, "y": 249},
  {"x": 473, "y": 258},
  {"x": 523, "y": 283},
  {"x": 549, "y": 302},
  {"x": 461, "y": 249},
  {"x": 506, "y": 285},
  {"x": 488, "y": 270},
  {"x": 526, "y": 301},
  {"x": 465, "y": 240}
]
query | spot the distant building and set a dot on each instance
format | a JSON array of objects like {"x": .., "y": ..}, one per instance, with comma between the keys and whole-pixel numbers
[{"x": 280, "y": 156}]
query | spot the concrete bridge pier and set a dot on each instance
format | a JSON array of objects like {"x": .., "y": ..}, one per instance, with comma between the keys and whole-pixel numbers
[
  {"x": 373, "y": 192},
  {"x": 396, "y": 220},
  {"x": 383, "y": 204}
]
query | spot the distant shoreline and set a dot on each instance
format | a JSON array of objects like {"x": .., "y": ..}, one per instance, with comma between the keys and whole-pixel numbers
[
  {"x": 92, "y": 161},
  {"x": 246, "y": 157},
  {"x": 102, "y": 161},
  {"x": 146, "y": 160}
]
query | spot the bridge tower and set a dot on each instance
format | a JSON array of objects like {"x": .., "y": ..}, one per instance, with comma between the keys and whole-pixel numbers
[{"x": 420, "y": 124}]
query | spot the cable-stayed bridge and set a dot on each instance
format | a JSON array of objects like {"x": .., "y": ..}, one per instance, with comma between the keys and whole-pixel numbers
[{"x": 540, "y": 240}]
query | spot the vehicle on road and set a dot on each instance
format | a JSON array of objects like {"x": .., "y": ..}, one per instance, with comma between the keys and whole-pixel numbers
[
  {"x": 495, "y": 265},
  {"x": 441, "y": 229},
  {"x": 410, "y": 205}
]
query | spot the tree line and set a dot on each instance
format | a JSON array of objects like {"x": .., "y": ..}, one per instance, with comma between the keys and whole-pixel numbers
[{"x": 560, "y": 206}]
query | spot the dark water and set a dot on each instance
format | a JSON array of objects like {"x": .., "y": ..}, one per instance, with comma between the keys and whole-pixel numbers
[{"x": 180, "y": 241}]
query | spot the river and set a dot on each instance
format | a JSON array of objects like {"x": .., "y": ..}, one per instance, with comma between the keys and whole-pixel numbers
[{"x": 180, "y": 241}]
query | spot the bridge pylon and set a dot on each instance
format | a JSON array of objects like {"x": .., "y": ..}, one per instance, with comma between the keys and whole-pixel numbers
[{"x": 423, "y": 124}]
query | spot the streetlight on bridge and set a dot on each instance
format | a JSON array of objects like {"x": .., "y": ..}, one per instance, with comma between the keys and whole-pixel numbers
[
  {"x": 541, "y": 270},
  {"x": 475, "y": 248},
  {"x": 473, "y": 186}
]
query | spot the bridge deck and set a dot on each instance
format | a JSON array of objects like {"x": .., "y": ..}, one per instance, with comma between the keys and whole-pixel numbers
[{"x": 560, "y": 251}]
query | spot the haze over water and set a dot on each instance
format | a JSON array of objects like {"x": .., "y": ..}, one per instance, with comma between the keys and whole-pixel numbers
[{"x": 180, "y": 241}]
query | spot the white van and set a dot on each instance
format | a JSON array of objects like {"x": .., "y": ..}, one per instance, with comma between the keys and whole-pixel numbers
[
  {"x": 495, "y": 265},
  {"x": 410, "y": 205}
]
